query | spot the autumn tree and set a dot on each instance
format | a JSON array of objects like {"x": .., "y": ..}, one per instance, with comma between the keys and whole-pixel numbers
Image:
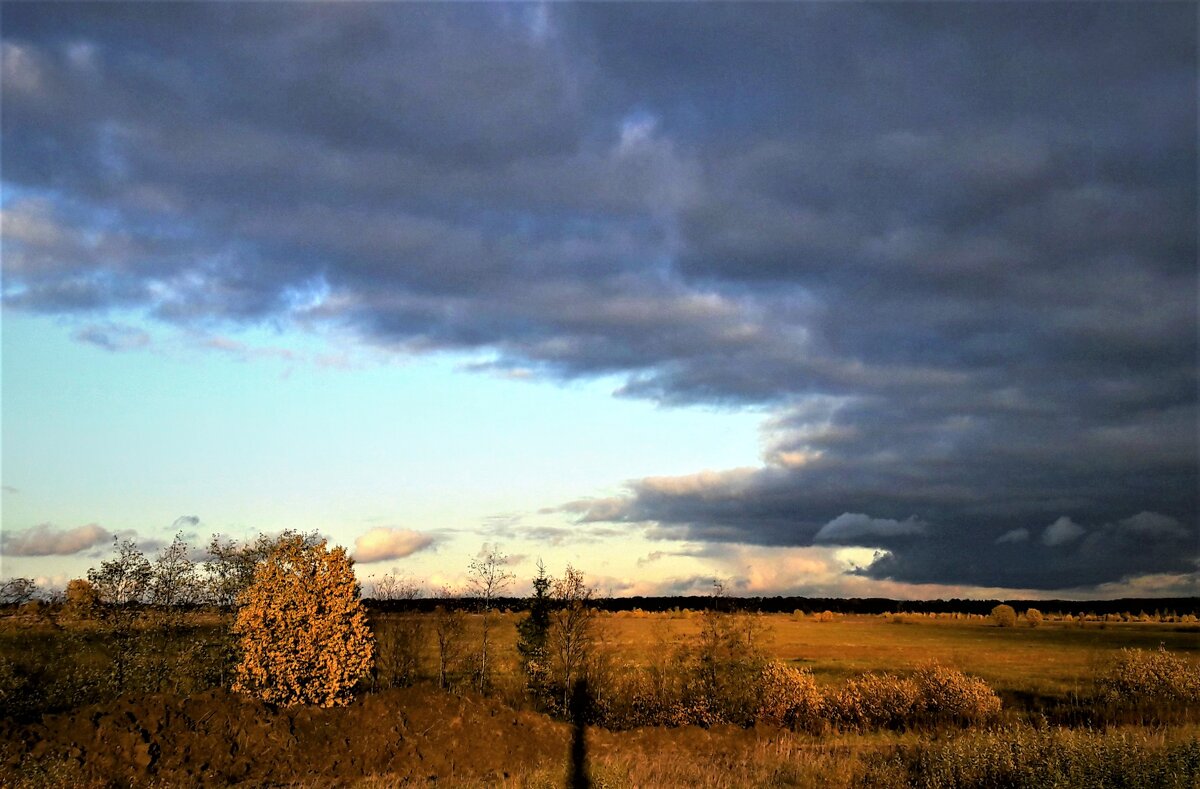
[
  {"x": 725, "y": 660},
  {"x": 80, "y": 599},
  {"x": 1004, "y": 616},
  {"x": 487, "y": 580},
  {"x": 302, "y": 629}
]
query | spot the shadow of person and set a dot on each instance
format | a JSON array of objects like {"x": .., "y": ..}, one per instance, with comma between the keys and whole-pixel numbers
[{"x": 580, "y": 708}]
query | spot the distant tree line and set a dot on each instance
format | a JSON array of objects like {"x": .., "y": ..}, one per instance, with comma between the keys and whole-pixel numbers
[{"x": 838, "y": 605}]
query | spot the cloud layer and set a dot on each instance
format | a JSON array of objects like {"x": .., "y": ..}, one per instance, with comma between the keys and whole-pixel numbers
[{"x": 951, "y": 247}]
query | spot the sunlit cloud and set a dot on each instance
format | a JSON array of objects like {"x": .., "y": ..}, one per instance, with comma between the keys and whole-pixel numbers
[{"x": 383, "y": 544}]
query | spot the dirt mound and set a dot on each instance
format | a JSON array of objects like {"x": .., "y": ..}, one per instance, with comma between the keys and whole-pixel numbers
[{"x": 220, "y": 738}]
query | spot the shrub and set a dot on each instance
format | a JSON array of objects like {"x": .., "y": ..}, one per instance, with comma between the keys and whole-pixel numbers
[
  {"x": 302, "y": 629},
  {"x": 946, "y": 694},
  {"x": 1137, "y": 676},
  {"x": 721, "y": 668},
  {"x": 1004, "y": 616},
  {"x": 874, "y": 701},
  {"x": 1033, "y": 617},
  {"x": 789, "y": 697}
]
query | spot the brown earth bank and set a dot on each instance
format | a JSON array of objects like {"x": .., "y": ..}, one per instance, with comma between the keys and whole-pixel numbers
[{"x": 217, "y": 738}]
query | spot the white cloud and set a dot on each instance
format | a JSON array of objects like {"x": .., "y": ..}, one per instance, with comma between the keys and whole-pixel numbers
[
  {"x": 1016, "y": 535},
  {"x": 382, "y": 543},
  {"x": 46, "y": 540},
  {"x": 853, "y": 527},
  {"x": 1061, "y": 532}
]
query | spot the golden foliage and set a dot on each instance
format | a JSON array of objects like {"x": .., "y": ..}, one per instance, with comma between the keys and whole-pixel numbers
[
  {"x": 790, "y": 697},
  {"x": 1004, "y": 616},
  {"x": 1138, "y": 675},
  {"x": 873, "y": 701},
  {"x": 81, "y": 599},
  {"x": 947, "y": 693},
  {"x": 302, "y": 630}
]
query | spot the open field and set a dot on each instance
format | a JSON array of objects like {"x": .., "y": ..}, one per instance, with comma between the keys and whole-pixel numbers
[
  {"x": 1054, "y": 658},
  {"x": 175, "y": 723}
]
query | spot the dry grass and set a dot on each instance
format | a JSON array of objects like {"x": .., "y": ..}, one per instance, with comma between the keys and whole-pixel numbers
[
  {"x": 1054, "y": 659},
  {"x": 729, "y": 758}
]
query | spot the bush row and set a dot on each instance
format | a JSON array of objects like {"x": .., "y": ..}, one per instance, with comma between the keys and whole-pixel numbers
[{"x": 785, "y": 696}]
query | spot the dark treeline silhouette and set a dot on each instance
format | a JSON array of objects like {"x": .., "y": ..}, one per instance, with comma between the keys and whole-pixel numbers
[{"x": 838, "y": 605}]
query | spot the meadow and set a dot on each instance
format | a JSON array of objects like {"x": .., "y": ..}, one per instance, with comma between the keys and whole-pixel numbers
[{"x": 70, "y": 720}]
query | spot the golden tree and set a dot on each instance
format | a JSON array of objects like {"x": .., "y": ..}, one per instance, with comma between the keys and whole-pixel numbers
[{"x": 302, "y": 630}]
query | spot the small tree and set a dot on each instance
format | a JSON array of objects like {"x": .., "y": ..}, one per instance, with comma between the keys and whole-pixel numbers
[
  {"x": 488, "y": 580},
  {"x": 1004, "y": 616},
  {"x": 121, "y": 585},
  {"x": 303, "y": 631},
  {"x": 173, "y": 581},
  {"x": 1033, "y": 617},
  {"x": 533, "y": 631},
  {"x": 124, "y": 580},
  {"x": 572, "y": 635},
  {"x": 450, "y": 629},
  {"x": 724, "y": 662}
]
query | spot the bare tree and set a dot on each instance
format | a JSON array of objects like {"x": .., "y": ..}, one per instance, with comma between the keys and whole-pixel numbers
[
  {"x": 393, "y": 586},
  {"x": 228, "y": 571},
  {"x": 450, "y": 628},
  {"x": 487, "y": 580},
  {"x": 123, "y": 580},
  {"x": 174, "y": 581},
  {"x": 572, "y": 630}
]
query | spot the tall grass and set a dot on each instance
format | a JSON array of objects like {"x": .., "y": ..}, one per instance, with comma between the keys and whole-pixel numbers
[{"x": 1035, "y": 758}]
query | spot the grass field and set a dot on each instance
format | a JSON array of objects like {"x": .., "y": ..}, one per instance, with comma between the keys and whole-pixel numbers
[
  {"x": 408, "y": 736},
  {"x": 1052, "y": 659}
]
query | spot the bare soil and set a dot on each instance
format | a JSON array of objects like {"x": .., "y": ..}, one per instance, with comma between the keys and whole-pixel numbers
[{"x": 217, "y": 738}]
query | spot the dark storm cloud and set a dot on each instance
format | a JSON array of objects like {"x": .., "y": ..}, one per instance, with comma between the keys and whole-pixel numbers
[{"x": 953, "y": 246}]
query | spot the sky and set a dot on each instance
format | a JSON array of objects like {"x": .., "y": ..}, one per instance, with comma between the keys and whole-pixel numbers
[{"x": 828, "y": 299}]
